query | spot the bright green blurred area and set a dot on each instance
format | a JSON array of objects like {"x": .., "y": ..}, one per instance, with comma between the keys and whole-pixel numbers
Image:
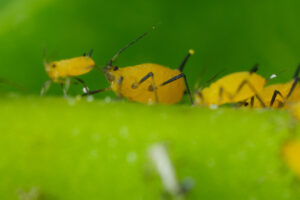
[
  {"x": 75, "y": 149},
  {"x": 231, "y": 35}
]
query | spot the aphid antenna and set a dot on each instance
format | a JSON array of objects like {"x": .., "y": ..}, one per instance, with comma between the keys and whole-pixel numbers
[
  {"x": 212, "y": 78},
  {"x": 254, "y": 68},
  {"x": 13, "y": 84},
  {"x": 45, "y": 55},
  {"x": 200, "y": 77},
  {"x": 90, "y": 53},
  {"x": 128, "y": 45}
]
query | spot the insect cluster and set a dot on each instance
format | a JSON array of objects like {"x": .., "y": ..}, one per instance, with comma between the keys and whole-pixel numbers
[{"x": 155, "y": 83}]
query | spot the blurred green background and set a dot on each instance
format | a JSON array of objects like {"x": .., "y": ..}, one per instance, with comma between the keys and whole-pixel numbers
[{"x": 231, "y": 35}]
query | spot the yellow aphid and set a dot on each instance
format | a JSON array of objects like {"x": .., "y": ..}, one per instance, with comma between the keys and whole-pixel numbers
[
  {"x": 267, "y": 93},
  {"x": 147, "y": 83},
  {"x": 61, "y": 71},
  {"x": 291, "y": 155},
  {"x": 277, "y": 95},
  {"x": 233, "y": 88},
  {"x": 144, "y": 93}
]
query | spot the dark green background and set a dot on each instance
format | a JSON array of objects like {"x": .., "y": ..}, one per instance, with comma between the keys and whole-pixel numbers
[{"x": 231, "y": 35}]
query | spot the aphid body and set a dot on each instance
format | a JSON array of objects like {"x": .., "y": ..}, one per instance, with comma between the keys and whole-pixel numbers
[
  {"x": 62, "y": 69},
  {"x": 148, "y": 82},
  {"x": 232, "y": 88}
]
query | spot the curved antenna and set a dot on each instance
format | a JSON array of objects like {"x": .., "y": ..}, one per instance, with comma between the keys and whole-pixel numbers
[
  {"x": 128, "y": 45},
  {"x": 200, "y": 77},
  {"x": 209, "y": 80},
  {"x": 44, "y": 55},
  {"x": 13, "y": 84}
]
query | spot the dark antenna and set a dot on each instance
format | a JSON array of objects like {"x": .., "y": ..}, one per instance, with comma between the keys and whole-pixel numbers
[
  {"x": 90, "y": 53},
  {"x": 44, "y": 55},
  {"x": 191, "y": 52},
  {"x": 12, "y": 84},
  {"x": 131, "y": 43},
  {"x": 254, "y": 68}
]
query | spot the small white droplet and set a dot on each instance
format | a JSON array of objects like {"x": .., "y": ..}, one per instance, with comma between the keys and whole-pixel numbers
[
  {"x": 273, "y": 76},
  {"x": 85, "y": 90}
]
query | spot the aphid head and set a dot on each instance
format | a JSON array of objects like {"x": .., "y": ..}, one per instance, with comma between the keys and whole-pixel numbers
[{"x": 109, "y": 72}]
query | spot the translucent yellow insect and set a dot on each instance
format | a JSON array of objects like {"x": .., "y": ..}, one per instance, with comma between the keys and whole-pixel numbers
[
  {"x": 61, "y": 71},
  {"x": 277, "y": 95},
  {"x": 291, "y": 155},
  {"x": 147, "y": 83},
  {"x": 232, "y": 88}
]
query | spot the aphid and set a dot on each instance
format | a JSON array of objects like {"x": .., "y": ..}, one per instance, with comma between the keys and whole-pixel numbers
[
  {"x": 232, "y": 88},
  {"x": 146, "y": 83},
  {"x": 61, "y": 71},
  {"x": 277, "y": 95}
]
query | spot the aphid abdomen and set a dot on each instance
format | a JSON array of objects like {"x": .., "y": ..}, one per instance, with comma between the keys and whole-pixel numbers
[
  {"x": 233, "y": 88},
  {"x": 168, "y": 94}
]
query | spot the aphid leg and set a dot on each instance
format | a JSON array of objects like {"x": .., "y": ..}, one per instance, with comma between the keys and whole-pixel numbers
[
  {"x": 153, "y": 88},
  {"x": 222, "y": 91},
  {"x": 45, "y": 87},
  {"x": 96, "y": 91},
  {"x": 65, "y": 85},
  {"x": 182, "y": 75},
  {"x": 85, "y": 87},
  {"x": 191, "y": 52},
  {"x": 246, "y": 82},
  {"x": 276, "y": 92},
  {"x": 293, "y": 87},
  {"x": 119, "y": 82},
  {"x": 252, "y": 102}
]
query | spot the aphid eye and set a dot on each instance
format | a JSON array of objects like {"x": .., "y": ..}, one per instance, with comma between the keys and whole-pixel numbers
[
  {"x": 53, "y": 65},
  {"x": 115, "y": 68},
  {"x": 246, "y": 104}
]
